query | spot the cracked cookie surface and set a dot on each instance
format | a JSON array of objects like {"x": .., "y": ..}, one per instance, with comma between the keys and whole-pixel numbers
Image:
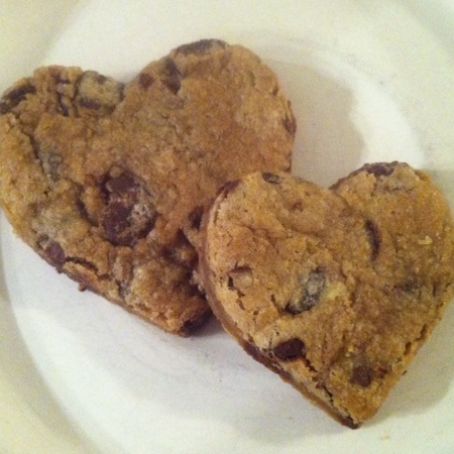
[
  {"x": 334, "y": 289},
  {"x": 106, "y": 181}
]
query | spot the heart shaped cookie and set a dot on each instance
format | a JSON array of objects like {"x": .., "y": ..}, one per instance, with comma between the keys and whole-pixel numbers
[
  {"x": 103, "y": 179},
  {"x": 335, "y": 290}
]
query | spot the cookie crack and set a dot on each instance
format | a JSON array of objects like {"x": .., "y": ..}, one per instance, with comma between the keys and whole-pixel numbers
[
  {"x": 348, "y": 420},
  {"x": 122, "y": 289},
  {"x": 86, "y": 264}
]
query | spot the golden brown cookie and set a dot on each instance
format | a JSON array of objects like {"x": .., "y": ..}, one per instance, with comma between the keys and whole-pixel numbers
[
  {"x": 335, "y": 290},
  {"x": 102, "y": 179}
]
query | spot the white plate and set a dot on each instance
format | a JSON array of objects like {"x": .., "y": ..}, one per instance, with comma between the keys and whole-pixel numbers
[{"x": 370, "y": 80}]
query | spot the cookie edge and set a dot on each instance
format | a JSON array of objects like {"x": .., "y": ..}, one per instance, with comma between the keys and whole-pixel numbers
[{"x": 226, "y": 322}]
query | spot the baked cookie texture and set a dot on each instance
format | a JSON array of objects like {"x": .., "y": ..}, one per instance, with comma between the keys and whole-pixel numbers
[
  {"x": 108, "y": 181},
  {"x": 335, "y": 290}
]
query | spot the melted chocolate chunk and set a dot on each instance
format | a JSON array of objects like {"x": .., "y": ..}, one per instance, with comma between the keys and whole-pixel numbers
[
  {"x": 55, "y": 254},
  {"x": 116, "y": 223},
  {"x": 121, "y": 184},
  {"x": 290, "y": 350},
  {"x": 14, "y": 97},
  {"x": 362, "y": 375},
  {"x": 313, "y": 287},
  {"x": 374, "y": 235},
  {"x": 129, "y": 213},
  {"x": 98, "y": 93},
  {"x": 349, "y": 422},
  {"x": 200, "y": 47},
  {"x": 380, "y": 168}
]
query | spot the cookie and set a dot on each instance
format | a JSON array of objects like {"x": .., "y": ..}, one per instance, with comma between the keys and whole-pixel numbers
[
  {"x": 103, "y": 179},
  {"x": 333, "y": 289}
]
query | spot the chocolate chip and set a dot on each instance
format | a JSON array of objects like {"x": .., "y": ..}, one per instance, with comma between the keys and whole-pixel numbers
[
  {"x": 199, "y": 47},
  {"x": 313, "y": 287},
  {"x": 145, "y": 80},
  {"x": 115, "y": 223},
  {"x": 129, "y": 213},
  {"x": 55, "y": 254},
  {"x": 290, "y": 350},
  {"x": 121, "y": 184},
  {"x": 271, "y": 178},
  {"x": 362, "y": 375},
  {"x": 195, "y": 218},
  {"x": 349, "y": 422},
  {"x": 290, "y": 124},
  {"x": 380, "y": 168},
  {"x": 374, "y": 236},
  {"x": 14, "y": 97},
  {"x": 172, "y": 77},
  {"x": 97, "y": 93}
]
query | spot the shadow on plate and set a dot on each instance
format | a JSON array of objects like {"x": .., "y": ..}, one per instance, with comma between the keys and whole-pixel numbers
[
  {"x": 328, "y": 146},
  {"x": 30, "y": 391},
  {"x": 444, "y": 179},
  {"x": 429, "y": 377}
]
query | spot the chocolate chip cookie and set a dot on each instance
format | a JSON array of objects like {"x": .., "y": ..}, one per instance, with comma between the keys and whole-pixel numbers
[
  {"x": 107, "y": 181},
  {"x": 335, "y": 290}
]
